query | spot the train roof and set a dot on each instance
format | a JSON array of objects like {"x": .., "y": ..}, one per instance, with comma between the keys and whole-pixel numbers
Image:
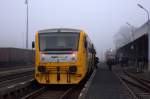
[{"x": 58, "y": 30}]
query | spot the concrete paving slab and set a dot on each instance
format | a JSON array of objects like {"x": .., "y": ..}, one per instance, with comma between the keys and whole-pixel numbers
[{"x": 105, "y": 85}]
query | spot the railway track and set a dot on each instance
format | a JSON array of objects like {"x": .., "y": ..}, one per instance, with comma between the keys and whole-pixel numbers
[
  {"x": 16, "y": 83},
  {"x": 23, "y": 86},
  {"x": 140, "y": 86},
  {"x": 7, "y": 68},
  {"x": 133, "y": 87},
  {"x": 49, "y": 93},
  {"x": 56, "y": 92},
  {"x": 17, "y": 90},
  {"x": 16, "y": 75},
  {"x": 9, "y": 75},
  {"x": 15, "y": 71},
  {"x": 12, "y": 80}
]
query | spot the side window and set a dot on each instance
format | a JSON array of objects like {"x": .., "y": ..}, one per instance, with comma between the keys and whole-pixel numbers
[
  {"x": 90, "y": 48},
  {"x": 88, "y": 45},
  {"x": 85, "y": 43}
]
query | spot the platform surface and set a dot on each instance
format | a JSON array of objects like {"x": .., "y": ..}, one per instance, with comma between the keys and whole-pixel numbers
[{"x": 105, "y": 85}]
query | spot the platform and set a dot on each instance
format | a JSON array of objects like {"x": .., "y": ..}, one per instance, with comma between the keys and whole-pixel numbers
[{"x": 105, "y": 85}]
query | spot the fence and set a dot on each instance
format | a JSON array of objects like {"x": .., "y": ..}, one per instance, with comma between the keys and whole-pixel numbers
[{"x": 16, "y": 56}]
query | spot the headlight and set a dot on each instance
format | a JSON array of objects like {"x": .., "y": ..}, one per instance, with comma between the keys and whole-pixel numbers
[
  {"x": 74, "y": 57},
  {"x": 42, "y": 57},
  {"x": 42, "y": 69},
  {"x": 72, "y": 69}
]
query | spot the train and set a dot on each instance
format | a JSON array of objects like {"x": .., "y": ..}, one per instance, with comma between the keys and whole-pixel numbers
[
  {"x": 63, "y": 56},
  {"x": 110, "y": 57}
]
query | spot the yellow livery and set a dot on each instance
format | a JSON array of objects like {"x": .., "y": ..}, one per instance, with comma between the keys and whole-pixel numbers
[{"x": 63, "y": 56}]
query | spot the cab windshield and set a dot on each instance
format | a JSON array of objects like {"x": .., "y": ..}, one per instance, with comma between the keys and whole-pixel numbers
[{"x": 58, "y": 41}]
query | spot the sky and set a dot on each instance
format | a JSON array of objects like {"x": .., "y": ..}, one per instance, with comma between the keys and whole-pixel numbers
[{"x": 100, "y": 19}]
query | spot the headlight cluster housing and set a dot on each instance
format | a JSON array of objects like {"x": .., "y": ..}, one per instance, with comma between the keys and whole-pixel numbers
[
  {"x": 72, "y": 69},
  {"x": 42, "y": 69}
]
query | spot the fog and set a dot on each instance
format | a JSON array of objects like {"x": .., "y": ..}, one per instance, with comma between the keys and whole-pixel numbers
[{"x": 101, "y": 19}]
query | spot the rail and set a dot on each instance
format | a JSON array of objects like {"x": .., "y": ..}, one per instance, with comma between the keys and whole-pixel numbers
[
  {"x": 15, "y": 85},
  {"x": 142, "y": 84},
  {"x": 34, "y": 94},
  {"x": 132, "y": 94},
  {"x": 138, "y": 88},
  {"x": 46, "y": 92}
]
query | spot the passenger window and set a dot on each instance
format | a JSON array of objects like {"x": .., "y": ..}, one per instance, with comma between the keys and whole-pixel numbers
[
  {"x": 90, "y": 50},
  {"x": 85, "y": 44}
]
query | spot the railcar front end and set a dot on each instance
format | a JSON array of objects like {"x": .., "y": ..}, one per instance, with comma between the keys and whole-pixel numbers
[{"x": 61, "y": 56}]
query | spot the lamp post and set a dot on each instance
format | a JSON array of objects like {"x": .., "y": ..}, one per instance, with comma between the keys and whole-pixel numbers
[
  {"x": 27, "y": 21},
  {"x": 148, "y": 31},
  {"x": 132, "y": 30},
  {"x": 144, "y": 10}
]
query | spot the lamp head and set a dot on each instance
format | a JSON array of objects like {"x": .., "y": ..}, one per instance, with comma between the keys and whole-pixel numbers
[{"x": 140, "y": 6}]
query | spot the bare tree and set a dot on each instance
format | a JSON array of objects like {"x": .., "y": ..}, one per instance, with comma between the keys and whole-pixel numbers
[{"x": 123, "y": 36}]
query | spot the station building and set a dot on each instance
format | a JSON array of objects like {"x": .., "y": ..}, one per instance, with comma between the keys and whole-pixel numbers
[{"x": 138, "y": 49}]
